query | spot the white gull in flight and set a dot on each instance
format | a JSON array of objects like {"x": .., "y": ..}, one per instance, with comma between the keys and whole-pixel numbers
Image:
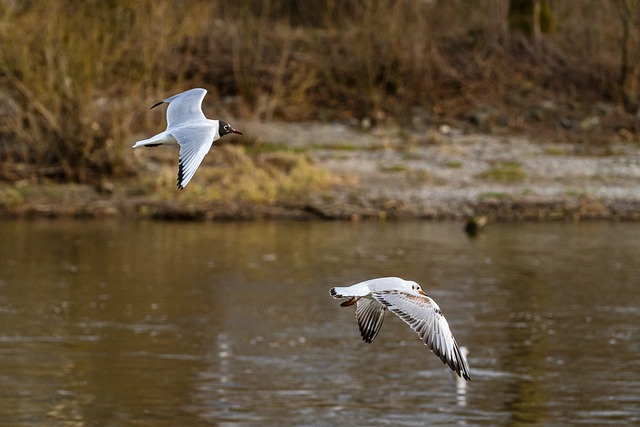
[
  {"x": 191, "y": 130},
  {"x": 407, "y": 300}
]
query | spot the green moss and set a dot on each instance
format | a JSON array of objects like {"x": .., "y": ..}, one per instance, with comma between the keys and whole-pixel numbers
[
  {"x": 507, "y": 173},
  {"x": 555, "y": 151},
  {"x": 422, "y": 176},
  {"x": 337, "y": 147},
  {"x": 11, "y": 197},
  {"x": 573, "y": 192},
  {"x": 393, "y": 168},
  {"x": 494, "y": 195},
  {"x": 269, "y": 147}
]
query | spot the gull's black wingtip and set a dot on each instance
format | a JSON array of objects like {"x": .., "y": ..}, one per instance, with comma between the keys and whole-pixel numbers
[
  {"x": 156, "y": 104},
  {"x": 180, "y": 175},
  {"x": 459, "y": 364},
  {"x": 461, "y": 370}
]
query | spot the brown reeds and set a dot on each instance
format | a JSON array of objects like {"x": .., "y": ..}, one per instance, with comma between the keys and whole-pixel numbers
[
  {"x": 78, "y": 71},
  {"x": 76, "y": 77}
]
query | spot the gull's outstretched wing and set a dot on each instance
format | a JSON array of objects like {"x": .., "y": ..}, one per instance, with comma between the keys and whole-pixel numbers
[
  {"x": 370, "y": 314},
  {"x": 423, "y": 315},
  {"x": 184, "y": 107},
  {"x": 194, "y": 143}
]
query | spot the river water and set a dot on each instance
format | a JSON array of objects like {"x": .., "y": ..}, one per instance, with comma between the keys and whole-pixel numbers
[{"x": 117, "y": 323}]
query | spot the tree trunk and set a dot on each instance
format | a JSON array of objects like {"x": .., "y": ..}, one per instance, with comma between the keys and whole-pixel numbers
[
  {"x": 630, "y": 55},
  {"x": 532, "y": 17}
]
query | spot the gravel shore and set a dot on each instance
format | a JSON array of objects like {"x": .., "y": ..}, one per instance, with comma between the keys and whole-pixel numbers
[{"x": 444, "y": 173}]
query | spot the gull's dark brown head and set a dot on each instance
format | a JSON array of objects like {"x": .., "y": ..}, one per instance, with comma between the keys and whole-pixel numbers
[{"x": 225, "y": 128}]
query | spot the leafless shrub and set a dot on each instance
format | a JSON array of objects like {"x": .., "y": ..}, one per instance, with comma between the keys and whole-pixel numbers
[{"x": 75, "y": 77}]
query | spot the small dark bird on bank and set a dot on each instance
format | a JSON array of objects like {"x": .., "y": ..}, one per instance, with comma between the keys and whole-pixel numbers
[{"x": 475, "y": 224}]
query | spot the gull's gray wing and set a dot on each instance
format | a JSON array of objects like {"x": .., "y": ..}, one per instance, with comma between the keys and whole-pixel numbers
[{"x": 423, "y": 315}]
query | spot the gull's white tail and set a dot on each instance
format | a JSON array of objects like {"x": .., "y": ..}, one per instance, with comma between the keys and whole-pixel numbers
[
  {"x": 358, "y": 290},
  {"x": 160, "y": 139},
  {"x": 339, "y": 292}
]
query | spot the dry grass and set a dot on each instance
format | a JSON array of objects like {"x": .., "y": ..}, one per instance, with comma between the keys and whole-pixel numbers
[
  {"x": 75, "y": 77},
  {"x": 231, "y": 174}
]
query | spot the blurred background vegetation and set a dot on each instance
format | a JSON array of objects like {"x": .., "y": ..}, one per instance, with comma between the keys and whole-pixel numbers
[{"x": 77, "y": 77}]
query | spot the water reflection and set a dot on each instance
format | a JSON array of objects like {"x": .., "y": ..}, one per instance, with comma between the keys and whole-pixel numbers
[{"x": 231, "y": 324}]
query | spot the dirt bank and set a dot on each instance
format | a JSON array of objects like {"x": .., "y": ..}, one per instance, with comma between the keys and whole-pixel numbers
[{"x": 352, "y": 174}]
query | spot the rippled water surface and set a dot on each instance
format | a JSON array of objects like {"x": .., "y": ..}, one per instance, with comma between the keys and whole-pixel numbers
[{"x": 231, "y": 324}]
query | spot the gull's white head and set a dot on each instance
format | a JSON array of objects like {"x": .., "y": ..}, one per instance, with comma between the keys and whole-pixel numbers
[{"x": 413, "y": 286}]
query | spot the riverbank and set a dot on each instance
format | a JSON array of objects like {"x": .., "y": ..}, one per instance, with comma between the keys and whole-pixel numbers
[{"x": 336, "y": 171}]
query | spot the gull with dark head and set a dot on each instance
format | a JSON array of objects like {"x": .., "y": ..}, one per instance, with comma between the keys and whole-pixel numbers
[
  {"x": 405, "y": 299},
  {"x": 188, "y": 128}
]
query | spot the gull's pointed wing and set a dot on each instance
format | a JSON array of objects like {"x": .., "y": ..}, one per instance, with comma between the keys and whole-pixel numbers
[
  {"x": 370, "y": 314},
  {"x": 185, "y": 107},
  {"x": 195, "y": 143},
  {"x": 423, "y": 315}
]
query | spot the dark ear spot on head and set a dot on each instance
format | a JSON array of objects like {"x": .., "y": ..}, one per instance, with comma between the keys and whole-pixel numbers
[{"x": 224, "y": 128}]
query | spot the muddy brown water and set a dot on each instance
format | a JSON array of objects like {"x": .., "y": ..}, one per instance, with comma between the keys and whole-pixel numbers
[{"x": 115, "y": 323}]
